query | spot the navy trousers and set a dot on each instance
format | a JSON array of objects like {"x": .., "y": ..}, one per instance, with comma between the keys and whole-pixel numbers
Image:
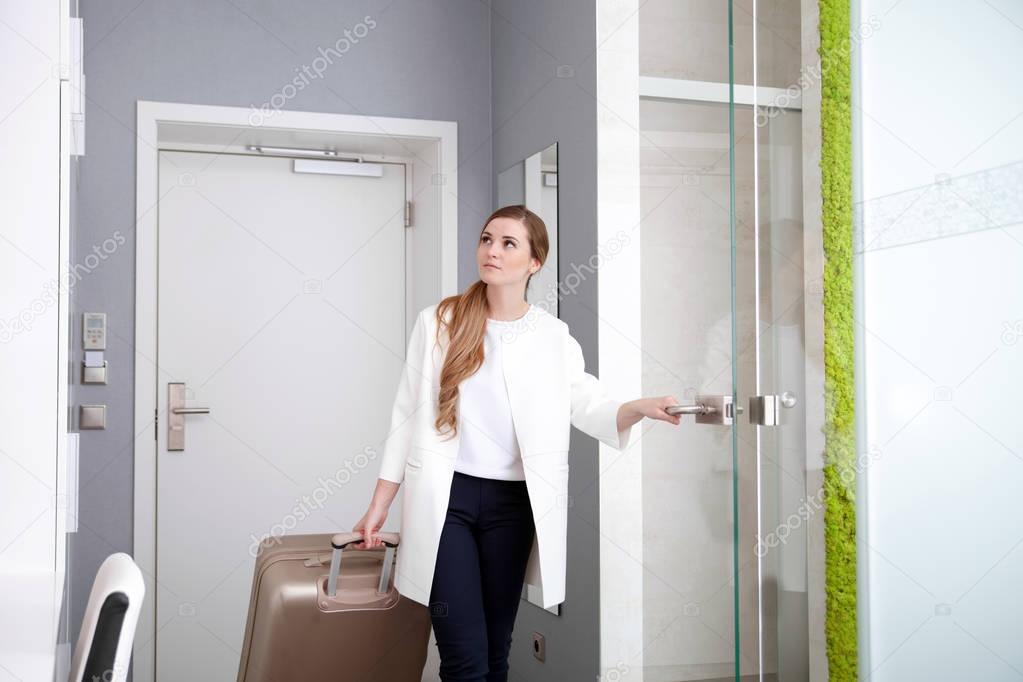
[{"x": 477, "y": 583}]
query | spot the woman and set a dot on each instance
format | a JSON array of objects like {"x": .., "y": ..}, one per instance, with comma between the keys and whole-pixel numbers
[{"x": 479, "y": 435}]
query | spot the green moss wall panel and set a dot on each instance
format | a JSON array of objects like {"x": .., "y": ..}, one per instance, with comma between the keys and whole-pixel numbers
[{"x": 840, "y": 440}]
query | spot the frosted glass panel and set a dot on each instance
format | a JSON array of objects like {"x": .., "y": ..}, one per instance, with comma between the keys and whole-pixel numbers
[{"x": 940, "y": 233}]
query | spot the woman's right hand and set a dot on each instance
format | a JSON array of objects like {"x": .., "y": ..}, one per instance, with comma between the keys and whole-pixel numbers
[{"x": 370, "y": 523}]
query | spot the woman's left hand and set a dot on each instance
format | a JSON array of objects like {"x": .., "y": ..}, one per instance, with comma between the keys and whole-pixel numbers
[{"x": 654, "y": 408}]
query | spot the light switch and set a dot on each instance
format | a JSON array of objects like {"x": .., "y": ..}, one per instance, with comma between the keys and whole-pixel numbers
[
  {"x": 94, "y": 375},
  {"x": 92, "y": 417}
]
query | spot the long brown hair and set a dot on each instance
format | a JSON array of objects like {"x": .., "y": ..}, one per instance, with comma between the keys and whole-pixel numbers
[{"x": 469, "y": 312}]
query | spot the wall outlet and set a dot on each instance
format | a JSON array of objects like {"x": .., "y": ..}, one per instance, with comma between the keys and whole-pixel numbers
[{"x": 539, "y": 647}]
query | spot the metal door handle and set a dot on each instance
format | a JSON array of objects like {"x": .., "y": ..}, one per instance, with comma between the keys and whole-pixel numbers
[
  {"x": 709, "y": 409},
  {"x": 176, "y": 418},
  {"x": 690, "y": 409}
]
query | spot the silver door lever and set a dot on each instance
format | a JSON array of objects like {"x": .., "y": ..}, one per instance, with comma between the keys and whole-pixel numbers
[
  {"x": 176, "y": 419},
  {"x": 690, "y": 409},
  {"x": 709, "y": 409}
]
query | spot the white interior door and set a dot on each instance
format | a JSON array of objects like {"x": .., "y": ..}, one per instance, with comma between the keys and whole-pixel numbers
[{"x": 282, "y": 309}]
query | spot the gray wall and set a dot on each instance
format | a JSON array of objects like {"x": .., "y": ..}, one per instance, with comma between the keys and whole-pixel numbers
[
  {"x": 532, "y": 107},
  {"x": 424, "y": 59}
]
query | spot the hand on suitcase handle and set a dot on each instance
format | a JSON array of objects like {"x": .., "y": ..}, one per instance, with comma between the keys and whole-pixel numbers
[
  {"x": 372, "y": 521},
  {"x": 342, "y": 540}
]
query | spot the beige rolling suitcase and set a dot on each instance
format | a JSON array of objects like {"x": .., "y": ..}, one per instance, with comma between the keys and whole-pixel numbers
[{"x": 318, "y": 612}]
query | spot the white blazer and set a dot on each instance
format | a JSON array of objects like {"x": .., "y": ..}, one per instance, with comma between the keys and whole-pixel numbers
[{"x": 548, "y": 389}]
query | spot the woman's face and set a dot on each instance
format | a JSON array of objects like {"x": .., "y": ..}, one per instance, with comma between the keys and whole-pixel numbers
[{"x": 503, "y": 255}]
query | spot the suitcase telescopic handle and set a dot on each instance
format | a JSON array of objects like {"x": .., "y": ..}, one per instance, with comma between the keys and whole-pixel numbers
[{"x": 342, "y": 540}]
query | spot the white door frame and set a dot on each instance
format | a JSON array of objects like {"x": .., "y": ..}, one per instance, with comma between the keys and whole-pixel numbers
[{"x": 430, "y": 145}]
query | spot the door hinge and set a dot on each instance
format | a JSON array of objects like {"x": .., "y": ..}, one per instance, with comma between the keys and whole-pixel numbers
[{"x": 408, "y": 213}]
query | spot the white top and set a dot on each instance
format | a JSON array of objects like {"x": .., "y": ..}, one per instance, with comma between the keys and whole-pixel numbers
[{"x": 488, "y": 447}]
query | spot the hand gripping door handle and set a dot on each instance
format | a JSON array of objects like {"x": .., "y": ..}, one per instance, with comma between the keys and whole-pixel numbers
[
  {"x": 340, "y": 541},
  {"x": 709, "y": 409},
  {"x": 689, "y": 409}
]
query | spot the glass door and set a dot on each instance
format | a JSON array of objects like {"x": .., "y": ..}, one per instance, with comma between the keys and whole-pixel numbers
[
  {"x": 694, "y": 576},
  {"x": 725, "y": 588},
  {"x": 769, "y": 299},
  {"x": 690, "y": 480}
]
